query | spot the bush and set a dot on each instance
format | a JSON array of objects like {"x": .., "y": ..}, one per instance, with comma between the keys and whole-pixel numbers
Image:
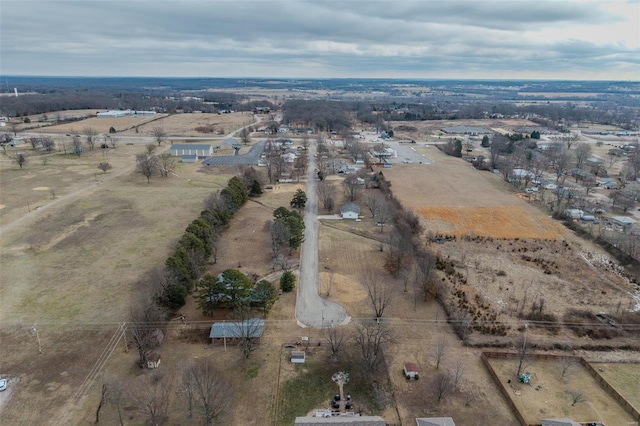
[
  {"x": 287, "y": 281},
  {"x": 112, "y": 129}
]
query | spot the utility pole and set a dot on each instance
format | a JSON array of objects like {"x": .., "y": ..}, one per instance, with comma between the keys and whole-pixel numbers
[
  {"x": 124, "y": 336},
  {"x": 34, "y": 330}
]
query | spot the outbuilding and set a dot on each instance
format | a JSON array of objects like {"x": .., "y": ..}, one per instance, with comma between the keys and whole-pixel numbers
[
  {"x": 230, "y": 332},
  {"x": 298, "y": 357},
  {"x": 411, "y": 371},
  {"x": 197, "y": 149}
]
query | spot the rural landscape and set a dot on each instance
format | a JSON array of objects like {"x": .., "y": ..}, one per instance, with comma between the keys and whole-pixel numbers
[{"x": 250, "y": 255}]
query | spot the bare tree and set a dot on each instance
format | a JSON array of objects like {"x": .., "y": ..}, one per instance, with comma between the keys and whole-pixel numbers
[
  {"x": 159, "y": 134},
  {"x": 245, "y": 135},
  {"x": 104, "y": 166},
  {"x": 146, "y": 165},
  {"x": 371, "y": 338},
  {"x": 150, "y": 394},
  {"x": 90, "y": 136},
  {"x": 305, "y": 142},
  {"x": 373, "y": 202},
  {"x": 336, "y": 336},
  {"x": 352, "y": 187},
  {"x": 104, "y": 390},
  {"x": 458, "y": 372},
  {"x": 146, "y": 317},
  {"x": 116, "y": 396},
  {"x": 380, "y": 293},
  {"x": 589, "y": 183},
  {"x": 207, "y": 391},
  {"x": 20, "y": 159},
  {"x": 440, "y": 350},
  {"x": 150, "y": 148},
  {"x": 441, "y": 385},
  {"x": 565, "y": 366},
  {"x": 384, "y": 214},
  {"x": 76, "y": 144},
  {"x": 326, "y": 193},
  {"x": 577, "y": 396},
  {"x": 328, "y": 285},
  {"x": 560, "y": 160},
  {"x": 582, "y": 153},
  {"x": 166, "y": 163},
  {"x": 246, "y": 330},
  {"x": 280, "y": 234}
]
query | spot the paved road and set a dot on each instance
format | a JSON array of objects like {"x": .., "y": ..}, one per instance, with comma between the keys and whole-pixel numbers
[{"x": 311, "y": 309}]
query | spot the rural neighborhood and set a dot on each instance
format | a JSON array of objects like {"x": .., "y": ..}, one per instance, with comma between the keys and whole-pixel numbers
[{"x": 280, "y": 261}]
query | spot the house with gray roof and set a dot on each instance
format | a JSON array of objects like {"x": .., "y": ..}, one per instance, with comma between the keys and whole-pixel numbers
[
  {"x": 350, "y": 211},
  {"x": 230, "y": 332}
]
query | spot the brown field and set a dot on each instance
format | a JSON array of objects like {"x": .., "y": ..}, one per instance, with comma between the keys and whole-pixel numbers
[
  {"x": 103, "y": 124},
  {"x": 497, "y": 222},
  {"x": 185, "y": 124},
  {"x": 552, "y": 400}
]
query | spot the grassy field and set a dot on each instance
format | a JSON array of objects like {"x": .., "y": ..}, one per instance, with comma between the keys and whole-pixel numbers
[
  {"x": 186, "y": 124},
  {"x": 624, "y": 377},
  {"x": 102, "y": 124},
  {"x": 548, "y": 396}
]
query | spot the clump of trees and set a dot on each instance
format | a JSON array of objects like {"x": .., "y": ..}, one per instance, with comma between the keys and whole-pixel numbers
[{"x": 286, "y": 231}]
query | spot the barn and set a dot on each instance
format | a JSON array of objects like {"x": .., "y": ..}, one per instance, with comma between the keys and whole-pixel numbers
[{"x": 200, "y": 150}]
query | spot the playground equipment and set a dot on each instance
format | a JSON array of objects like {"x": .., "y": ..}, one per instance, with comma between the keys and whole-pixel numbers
[{"x": 525, "y": 378}]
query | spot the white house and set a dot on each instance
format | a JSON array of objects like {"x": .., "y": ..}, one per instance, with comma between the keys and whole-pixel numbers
[
  {"x": 200, "y": 150},
  {"x": 350, "y": 211}
]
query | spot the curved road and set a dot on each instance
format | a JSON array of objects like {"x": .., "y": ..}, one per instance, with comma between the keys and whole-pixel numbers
[{"x": 311, "y": 309}]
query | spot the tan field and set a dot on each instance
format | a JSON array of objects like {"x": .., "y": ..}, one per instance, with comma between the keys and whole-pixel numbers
[{"x": 186, "y": 124}]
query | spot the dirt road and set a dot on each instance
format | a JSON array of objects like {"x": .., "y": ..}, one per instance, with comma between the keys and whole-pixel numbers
[{"x": 311, "y": 309}]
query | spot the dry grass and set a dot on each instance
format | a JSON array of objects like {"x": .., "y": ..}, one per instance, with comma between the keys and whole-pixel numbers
[
  {"x": 102, "y": 124},
  {"x": 625, "y": 377},
  {"x": 497, "y": 222},
  {"x": 551, "y": 400},
  {"x": 186, "y": 124}
]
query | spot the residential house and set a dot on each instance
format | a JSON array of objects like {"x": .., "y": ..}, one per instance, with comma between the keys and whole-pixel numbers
[
  {"x": 621, "y": 223},
  {"x": 350, "y": 211},
  {"x": 231, "y": 332}
]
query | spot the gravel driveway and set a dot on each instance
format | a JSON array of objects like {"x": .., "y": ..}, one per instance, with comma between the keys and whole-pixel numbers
[{"x": 311, "y": 309}]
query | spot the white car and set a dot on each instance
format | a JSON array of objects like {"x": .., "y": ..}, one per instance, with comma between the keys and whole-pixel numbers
[{"x": 3, "y": 384}]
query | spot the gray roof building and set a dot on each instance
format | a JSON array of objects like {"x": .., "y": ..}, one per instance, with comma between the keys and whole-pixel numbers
[
  {"x": 350, "y": 207},
  {"x": 341, "y": 421},
  {"x": 236, "y": 329},
  {"x": 435, "y": 421},
  {"x": 558, "y": 422}
]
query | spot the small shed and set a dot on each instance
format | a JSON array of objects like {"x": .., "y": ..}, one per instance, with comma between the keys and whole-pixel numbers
[
  {"x": 350, "y": 211},
  {"x": 298, "y": 357},
  {"x": 410, "y": 371}
]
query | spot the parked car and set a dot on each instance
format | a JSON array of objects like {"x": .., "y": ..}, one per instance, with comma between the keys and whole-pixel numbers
[{"x": 3, "y": 384}]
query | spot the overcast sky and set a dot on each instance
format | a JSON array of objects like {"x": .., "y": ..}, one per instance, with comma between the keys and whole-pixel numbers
[{"x": 322, "y": 39}]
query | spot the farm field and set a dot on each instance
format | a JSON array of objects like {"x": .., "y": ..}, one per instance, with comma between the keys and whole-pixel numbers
[
  {"x": 185, "y": 124},
  {"x": 103, "y": 124},
  {"x": 548, "y": 395}
]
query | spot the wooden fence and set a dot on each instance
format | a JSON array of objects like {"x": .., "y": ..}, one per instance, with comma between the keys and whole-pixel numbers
[{"x": 605, "y": 385}]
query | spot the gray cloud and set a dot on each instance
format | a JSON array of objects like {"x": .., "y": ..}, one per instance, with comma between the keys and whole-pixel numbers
[{"x": 308, "y": 38}]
